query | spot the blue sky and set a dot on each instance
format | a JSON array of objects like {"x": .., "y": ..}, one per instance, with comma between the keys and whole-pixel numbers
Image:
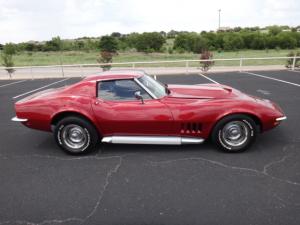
[{"x": 40, "y": 20}]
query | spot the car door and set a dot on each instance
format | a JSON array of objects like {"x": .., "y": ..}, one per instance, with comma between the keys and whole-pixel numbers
[{"x": 118, "y": 112}]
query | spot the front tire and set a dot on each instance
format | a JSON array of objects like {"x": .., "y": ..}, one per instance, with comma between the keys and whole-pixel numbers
[
  {"x": 235, "y": 133},
  {"x": 75, "y": 135}
]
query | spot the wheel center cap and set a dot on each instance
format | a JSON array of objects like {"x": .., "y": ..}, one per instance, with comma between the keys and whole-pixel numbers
[{"x": 234, "y": 132}]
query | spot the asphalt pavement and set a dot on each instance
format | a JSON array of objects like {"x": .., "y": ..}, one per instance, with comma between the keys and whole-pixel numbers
[{"x": 145, "y": 184}]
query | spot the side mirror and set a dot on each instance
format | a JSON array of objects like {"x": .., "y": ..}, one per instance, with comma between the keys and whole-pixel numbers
[{"x": 138, "y": 96}]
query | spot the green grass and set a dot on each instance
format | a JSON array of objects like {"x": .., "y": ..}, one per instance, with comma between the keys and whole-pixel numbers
[{"x": 77, "y": 57}]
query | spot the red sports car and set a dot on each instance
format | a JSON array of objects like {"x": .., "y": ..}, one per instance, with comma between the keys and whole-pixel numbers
[{"x": 130, "y": 107}]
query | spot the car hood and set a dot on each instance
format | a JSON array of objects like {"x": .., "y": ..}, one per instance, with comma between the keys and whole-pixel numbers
[{"x": 201, "y": 91}]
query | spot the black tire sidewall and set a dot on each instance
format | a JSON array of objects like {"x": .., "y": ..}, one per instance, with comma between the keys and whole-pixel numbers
[
  {"x": 217, "y": 133},
  {"x": 89, "y": 129}
]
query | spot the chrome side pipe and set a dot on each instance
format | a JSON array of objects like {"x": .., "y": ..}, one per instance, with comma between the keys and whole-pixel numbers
[{"x": 154, "y": 140}]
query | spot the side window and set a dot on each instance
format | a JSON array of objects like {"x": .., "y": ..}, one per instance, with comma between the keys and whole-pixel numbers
[{"x": 120, "y": 90}]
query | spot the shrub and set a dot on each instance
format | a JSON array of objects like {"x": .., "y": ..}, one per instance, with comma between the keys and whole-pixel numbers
[
  {"x": 105, "y": 57},
  {"x": 180, "y": 50},
  {"x": 289, "y": 62},
  {"x": 7, "y": 57},
  {"x": 206, "y": 65},
  {"x": 170, "y": 50}
]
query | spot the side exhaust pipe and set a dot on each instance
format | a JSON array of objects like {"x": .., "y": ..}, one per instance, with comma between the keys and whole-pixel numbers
[{"x": 153, "y": 140}]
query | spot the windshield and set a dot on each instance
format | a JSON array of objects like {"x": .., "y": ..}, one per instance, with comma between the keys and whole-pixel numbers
[{"x": 153, "y": 86}]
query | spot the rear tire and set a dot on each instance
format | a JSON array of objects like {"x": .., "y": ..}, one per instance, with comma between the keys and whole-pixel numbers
[
  {"x": 75, "y": 135},
  {"x": 235, "y": 133}
]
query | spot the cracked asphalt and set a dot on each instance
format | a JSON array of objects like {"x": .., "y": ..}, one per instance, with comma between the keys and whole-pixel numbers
[{"x": 144, "y": 184}]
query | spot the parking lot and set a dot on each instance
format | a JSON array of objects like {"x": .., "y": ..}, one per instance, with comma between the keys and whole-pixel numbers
[{"x": 145, "y": 184}]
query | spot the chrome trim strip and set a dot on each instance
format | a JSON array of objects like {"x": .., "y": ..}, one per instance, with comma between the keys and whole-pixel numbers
[
  {"x": 16, "y": 119},
  {"x": 153, "y": 140},
  {"x": 281, "y": 118},
  {"x": 145, "y": 88}
]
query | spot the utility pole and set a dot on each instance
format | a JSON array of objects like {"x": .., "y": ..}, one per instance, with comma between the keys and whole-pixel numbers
[{"x": 219, "y": 18}]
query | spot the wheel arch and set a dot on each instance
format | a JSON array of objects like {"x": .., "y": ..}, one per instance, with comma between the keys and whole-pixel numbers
[
  {"x": 60, "y": 115},
  {"x": 255, "y": 118}
]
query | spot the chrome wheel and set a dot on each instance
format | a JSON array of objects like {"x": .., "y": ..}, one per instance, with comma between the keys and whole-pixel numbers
[
  {"x": 235, "y": 133},
  {"x": 75, "y": 137}
]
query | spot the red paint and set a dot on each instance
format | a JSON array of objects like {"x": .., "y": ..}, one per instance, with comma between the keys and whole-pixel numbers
[{"x": 189, "y": 110}]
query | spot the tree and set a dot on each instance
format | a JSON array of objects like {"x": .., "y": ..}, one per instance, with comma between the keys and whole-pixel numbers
[
  {"x": 55, "y": 44},
  {"x": 148, "y": 42},
  {"x": 10, "y": 49},
  {"x": 7, "y": 57},
  {"x": 286, "y": 40},
  {"x": 183, "y": 41},
  {"x": 163, "y": 33},
  {"x": 200, "y": 45},
  {"x": 172, "y": 34},
  {"x": 233, "y": 41},
  {"x": 258, "y": 42},
  {"x": 79, "y": 44},
  {"x": 211, "y": 40},
  {"x": 237, "y": 29},
  {"x": 108, "y": 44},
  {"x": 29, "y": 47},
  {"x": 247, "y": 37},
  {"x": 272, "y": 42},
  {"x": 109, "y": 47},
  {"x": 116, "y": 34},
  {"x": 274, "y": 30}
]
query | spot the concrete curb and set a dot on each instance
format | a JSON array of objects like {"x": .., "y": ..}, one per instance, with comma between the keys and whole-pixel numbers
[{"x": 41, "y": 73}]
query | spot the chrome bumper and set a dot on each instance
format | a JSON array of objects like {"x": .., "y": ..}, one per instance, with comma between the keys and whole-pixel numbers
[
  {"x": 16, "y": 119},
  {"x": 281, "y": 118}
]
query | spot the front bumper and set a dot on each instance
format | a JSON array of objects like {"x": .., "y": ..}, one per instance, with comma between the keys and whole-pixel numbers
[{"x": 16, "y": 119}]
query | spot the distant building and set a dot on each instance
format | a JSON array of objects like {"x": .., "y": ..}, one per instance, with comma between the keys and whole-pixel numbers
[{"x": 224, "y": 29}]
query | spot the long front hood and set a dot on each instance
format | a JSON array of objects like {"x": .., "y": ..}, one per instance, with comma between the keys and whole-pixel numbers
[{"x": 202, "y": 91}]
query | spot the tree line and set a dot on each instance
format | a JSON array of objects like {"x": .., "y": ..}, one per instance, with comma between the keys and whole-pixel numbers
[
  {"x": 233, "y": 41},
  {"x": 273, "y": 37}
]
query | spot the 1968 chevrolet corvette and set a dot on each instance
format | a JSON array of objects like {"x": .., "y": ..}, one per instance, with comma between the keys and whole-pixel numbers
[{"x": 130, "y": 107}]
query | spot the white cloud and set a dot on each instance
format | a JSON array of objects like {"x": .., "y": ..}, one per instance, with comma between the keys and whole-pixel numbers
[{"x": 40, "y": 20}]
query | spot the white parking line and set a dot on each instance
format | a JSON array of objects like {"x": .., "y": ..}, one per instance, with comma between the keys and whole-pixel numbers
[
  {"x": 208, "y": 78},
  {"x": 48, "y": 85},
  {"x": 271, "y": 78},
  {"x": 20, "y": 81}
]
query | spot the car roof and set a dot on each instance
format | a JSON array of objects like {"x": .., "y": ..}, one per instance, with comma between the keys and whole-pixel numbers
[{"x": 115, "y": 74}]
